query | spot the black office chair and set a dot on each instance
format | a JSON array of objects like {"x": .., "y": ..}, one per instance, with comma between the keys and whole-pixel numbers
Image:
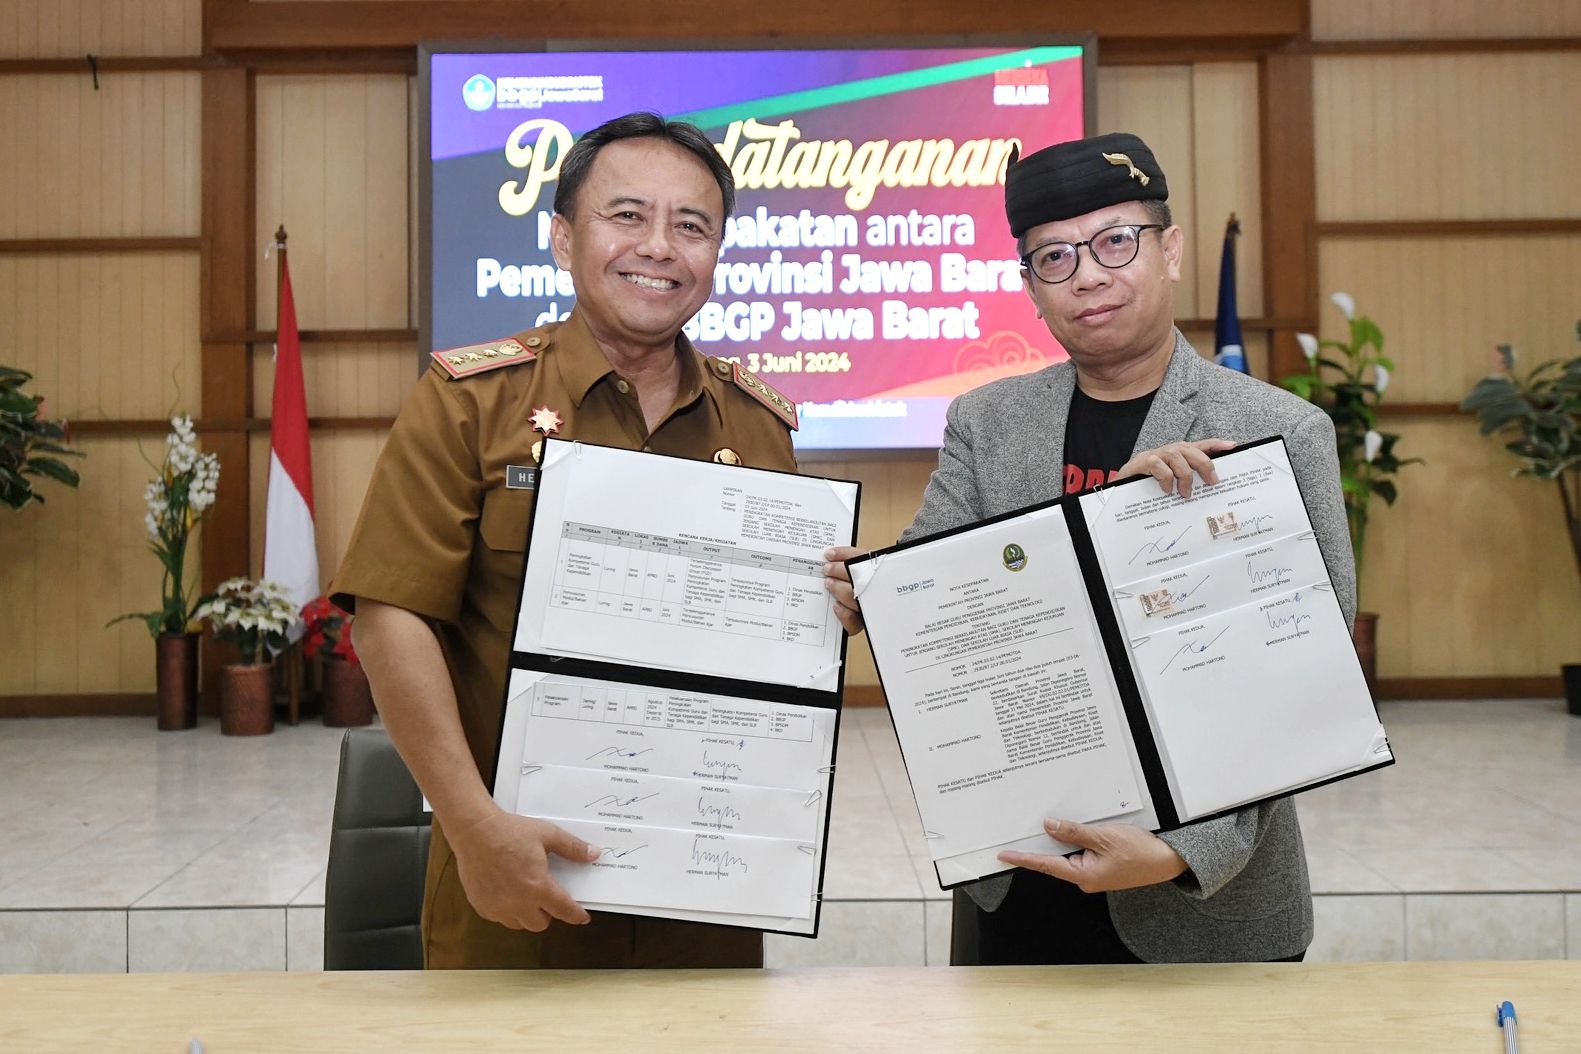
[{"x": 378, "y": 853}]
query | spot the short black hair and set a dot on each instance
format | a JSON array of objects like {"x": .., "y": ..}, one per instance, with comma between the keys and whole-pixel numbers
[{"x": 578, "y": 161}]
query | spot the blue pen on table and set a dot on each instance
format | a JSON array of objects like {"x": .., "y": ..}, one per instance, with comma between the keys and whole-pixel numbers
[{"x": 1504, "y": 1014}]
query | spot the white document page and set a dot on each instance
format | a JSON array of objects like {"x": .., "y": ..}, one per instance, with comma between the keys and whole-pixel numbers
[
  {"x": 999, "y": 688},
  {"x": 682, "y": 565},
  {"x": 1233, "y": 630},
  {"x": 707, "y": 807}
]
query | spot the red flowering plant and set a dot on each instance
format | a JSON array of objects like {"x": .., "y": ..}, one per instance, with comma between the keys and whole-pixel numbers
[{"x": 328, "y": 630}]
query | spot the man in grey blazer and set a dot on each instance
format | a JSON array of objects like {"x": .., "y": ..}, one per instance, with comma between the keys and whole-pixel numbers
[{"x": 1100, "y": 257}]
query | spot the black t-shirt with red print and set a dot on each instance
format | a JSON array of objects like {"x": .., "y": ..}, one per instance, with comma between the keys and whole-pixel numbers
[{"x": 1099, "y": 437}]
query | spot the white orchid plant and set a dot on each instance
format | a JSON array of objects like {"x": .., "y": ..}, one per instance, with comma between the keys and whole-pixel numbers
[
  {"x": 177, "y": 499},
  {"x": 1347, "y": 379},
  {"x": 252, "y": 614}
]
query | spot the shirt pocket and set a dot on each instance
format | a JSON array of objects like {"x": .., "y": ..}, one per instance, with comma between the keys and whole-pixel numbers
[
  {"x": 506, "y": 518},
  {"x": 495, "y": 579}
]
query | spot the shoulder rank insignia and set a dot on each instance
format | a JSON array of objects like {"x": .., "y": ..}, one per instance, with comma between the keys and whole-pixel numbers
[
  {"x": 748, "y": 382},
  {"x": 480, "y": 358}
]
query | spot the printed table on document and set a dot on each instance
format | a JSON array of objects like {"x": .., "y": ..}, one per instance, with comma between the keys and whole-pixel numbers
[{"x": 691, "y": 583}]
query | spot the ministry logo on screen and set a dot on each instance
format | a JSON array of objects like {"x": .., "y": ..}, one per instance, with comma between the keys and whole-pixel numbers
[
  {"x": 533, "y": 93},
  {"x": 1028, "y": 86},
  {"x": 478, "y": 92}
]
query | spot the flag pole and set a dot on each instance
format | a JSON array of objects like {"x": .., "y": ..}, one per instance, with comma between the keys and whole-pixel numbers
[
  {"x": 279, "y": 264},
  {"x": 295, "y": 664}
]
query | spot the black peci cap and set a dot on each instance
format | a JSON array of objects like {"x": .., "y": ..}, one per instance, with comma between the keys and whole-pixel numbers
[{"x": 1072, "y": 179}]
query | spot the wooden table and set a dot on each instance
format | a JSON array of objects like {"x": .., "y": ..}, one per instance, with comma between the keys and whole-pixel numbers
[{"x": 1427, "y": 1006}]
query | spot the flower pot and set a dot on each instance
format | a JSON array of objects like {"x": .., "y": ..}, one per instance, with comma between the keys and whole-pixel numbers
[
  {"x": 176, "y": 680},
  {"x": 1571, "y": 674},
  {"x": 1365, "y": 636},
  {"x": 247, "y": 700},
  {"x": 348, "y": 699}
]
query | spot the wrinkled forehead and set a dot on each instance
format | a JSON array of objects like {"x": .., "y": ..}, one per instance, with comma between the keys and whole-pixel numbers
[{"x": 652, "y": 171}]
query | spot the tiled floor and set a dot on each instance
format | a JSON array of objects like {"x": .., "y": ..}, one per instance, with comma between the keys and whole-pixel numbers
[{"x": 124, "y": 848}]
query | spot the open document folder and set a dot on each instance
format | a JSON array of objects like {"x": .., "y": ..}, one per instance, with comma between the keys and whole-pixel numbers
[
  {"x": 1120, "y": 655},
  {"x": 675, "y": 681}
]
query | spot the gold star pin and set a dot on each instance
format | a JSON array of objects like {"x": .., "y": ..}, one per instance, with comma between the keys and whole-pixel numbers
[{"x": 545, "y": 420}]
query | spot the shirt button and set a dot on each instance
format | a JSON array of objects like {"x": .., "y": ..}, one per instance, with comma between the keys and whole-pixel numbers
[
  {"x": 621, "y": 386},
  {"x": 647, "y": 450}
]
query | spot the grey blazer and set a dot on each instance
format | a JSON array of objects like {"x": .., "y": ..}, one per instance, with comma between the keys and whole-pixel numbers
[{"x": 1245, "y": 896}]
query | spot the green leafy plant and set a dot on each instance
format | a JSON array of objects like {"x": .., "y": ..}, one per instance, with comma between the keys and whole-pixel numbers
[
  {"x": 1347, "y": 379},
  {"x": 30, "y": 444},
  {"x": 178, "y": 497},
  {"x": 252, "y": 614},
  {"x": 1540, "y": 415}
]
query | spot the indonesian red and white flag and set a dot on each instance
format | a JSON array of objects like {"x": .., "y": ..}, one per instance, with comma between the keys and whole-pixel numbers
[{"x": 290, "y": 551}]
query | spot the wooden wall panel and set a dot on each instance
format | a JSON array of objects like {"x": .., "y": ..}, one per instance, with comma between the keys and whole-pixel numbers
[
  {"x": 1227, "y": 178},
  {"x": 342, "y": 380},
  {"x": 73, "y": 564},
  {"x": 1155, "y": 102},
  {"x": 389, "y": 25},
  {"x": 112, "y": 336},
  {"x": 1447, "y": 137},
  {"x": 33, "y": 29},
  {"x": 1444, "y": 303},
  {"x": 118, "y": 162},
  {"x": 891, "y": 494},
  {"x": 1471, "y": 569},
  {"x": 1443, "y": 19},
  {"x": 1200, "y": 333},
  {"x": 333, "y": 168},
  {"x": 343, "y": 462}
]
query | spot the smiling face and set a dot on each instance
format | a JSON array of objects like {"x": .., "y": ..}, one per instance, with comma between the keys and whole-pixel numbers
[
  {"x": 642, "y": 242},
  {"x": 1110, "y": 318}
]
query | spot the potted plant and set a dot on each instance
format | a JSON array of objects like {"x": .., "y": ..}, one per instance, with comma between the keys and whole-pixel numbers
[
  {"x": 31, "y": 445},
  {"x": 1347, "y": 379},
  {"x": 348, "y": 699},
  {"x": 178, "y": 497},
  {"x": 254, "y": 615},
  {"x": 1540, "y": 415}
]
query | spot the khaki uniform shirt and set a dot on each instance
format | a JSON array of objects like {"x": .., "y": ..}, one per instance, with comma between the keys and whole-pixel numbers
[{"x": 441, "y": 535}]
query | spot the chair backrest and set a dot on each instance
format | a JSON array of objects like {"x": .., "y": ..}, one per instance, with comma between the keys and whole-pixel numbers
[{"x": 378, "y": 853}]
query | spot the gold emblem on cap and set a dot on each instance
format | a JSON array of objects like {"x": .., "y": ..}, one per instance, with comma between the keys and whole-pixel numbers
[
  {"x": 537, "y": 452},
  {"x": 1135, "y": 173},
  {"x": 725, "y": 456}
]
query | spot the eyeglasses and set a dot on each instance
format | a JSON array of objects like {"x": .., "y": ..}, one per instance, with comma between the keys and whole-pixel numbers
[{"x": 1111, "y": 247}]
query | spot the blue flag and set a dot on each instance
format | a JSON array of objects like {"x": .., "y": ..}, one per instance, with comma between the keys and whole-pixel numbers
[{"x": 1229, "y": 348}]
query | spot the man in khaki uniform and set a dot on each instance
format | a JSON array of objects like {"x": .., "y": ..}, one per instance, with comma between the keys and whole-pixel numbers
[{"x": 435, "y": 560}]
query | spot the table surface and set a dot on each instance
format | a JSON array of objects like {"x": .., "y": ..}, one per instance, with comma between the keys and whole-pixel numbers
[{"x": 1428, "y": 1006}]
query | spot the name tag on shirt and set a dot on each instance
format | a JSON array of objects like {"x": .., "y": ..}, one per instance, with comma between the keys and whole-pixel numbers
[{"x": 521, "y": 477}]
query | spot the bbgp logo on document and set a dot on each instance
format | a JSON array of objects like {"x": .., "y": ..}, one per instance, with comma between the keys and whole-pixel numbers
[
  {"x": 478, "y": 92},
  {"x": 1015, "y": 557}
]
